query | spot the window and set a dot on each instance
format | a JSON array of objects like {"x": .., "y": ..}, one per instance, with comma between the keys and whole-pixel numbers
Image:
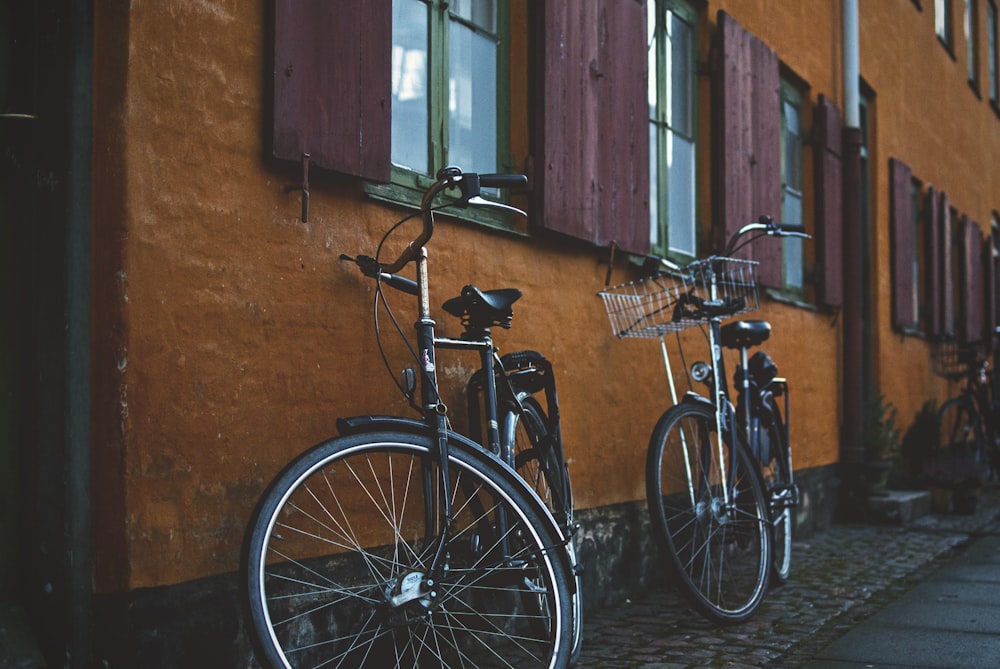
[
  {"x": 991, "y": 51},
  {"x": 942, "y": 21},
  {"x": 971, "y": 25},
  {"x": 672, "y": 94},
  {"x": 446, "y": 59},
  {"x": 791, "y": 184}
]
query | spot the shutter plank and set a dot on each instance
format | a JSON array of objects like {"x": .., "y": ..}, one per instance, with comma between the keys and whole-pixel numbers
[
  {"x": 332, "y": 85},
  {"x": 946, "y": 243},
  {"x": 765, "y": 164},
  {"x": 828, "y": 179},
  {"x": 934, "y": 287},
  {"x": 901, "y": 215},
  {"x": 972, "y": 280}
]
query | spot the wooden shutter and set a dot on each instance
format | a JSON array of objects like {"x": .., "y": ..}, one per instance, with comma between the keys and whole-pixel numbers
[
  {"x": 933, "y": 260},
  {"x": 989, "y": 289},
  {"x": 332, "y": 78},
  {"x": 829, "y": 202},
  {"x": 594, "y": 167},
  {"x": 971, "y": 277},
  {"x": 747, "y": 146},
  {"x": 903, "y": 245},
  {"x": 946, "y": 242}
]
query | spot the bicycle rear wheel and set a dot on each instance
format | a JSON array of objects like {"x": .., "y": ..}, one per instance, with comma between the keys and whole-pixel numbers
[
  {"x": 710, "y": 513},
  {"x": 782, "y": 496},
  {"x": 338, "y": 557},
  {"x": 541, "y": 466},
  {"x": 962, "y": 430}
]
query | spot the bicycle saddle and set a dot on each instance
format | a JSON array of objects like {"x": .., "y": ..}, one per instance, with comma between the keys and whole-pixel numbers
[
  {"x": 744, "y": 334},
  {"x": 484, "y": 308}
]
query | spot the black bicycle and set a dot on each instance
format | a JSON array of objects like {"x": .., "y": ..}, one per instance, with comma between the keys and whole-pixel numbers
[
  {"x": 402, "y": 543},
  {"x": 970, "y": 434},
  {"x": 721, "y": 507}
]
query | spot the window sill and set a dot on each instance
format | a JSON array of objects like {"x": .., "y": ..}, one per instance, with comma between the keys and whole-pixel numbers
[
  {"x": 789, "y": 299},
  {"x": 409, "y": 198}
]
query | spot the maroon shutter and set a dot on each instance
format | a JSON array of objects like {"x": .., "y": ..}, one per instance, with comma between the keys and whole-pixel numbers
[
  {"x": 903, "y": 245},
  {"x": 972, "y": 281},
  {"x": 933, "y": 286},
  {"x": 946, "y": 242},
  {"x": 594, "y": 167},
  {"x": 332, "y": 78},
  {"x": 829, "y": 209},
  {"x": 989, "y": 290},
  {"x": 748, "y": 114}
]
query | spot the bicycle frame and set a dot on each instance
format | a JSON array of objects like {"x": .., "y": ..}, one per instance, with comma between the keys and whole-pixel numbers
[{"x": 433, "y": 410}]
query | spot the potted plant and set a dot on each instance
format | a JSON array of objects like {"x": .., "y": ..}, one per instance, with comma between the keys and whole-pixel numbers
[{"x": 881, "y": 440}]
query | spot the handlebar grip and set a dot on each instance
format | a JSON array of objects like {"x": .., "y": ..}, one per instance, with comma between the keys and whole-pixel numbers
[
  {"x": 400, "y": 283},
  {"x": 792, "y": 228},
  {"x": 502, "y": 180}
]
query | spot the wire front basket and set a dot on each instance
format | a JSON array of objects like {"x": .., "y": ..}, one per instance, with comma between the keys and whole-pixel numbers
[
  {"x": 951, "y": 360},
  {"x": 674, "y": 301}
]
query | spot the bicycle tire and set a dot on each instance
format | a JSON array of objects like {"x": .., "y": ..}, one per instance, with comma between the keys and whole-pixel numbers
[
  {"x": 336, "y": 557},
  {"x": 716, "y": 535},
  {"x": 541, "y": 467},
  {"x": 777, "y": 479},
  {"x": 962, "y": 430}
]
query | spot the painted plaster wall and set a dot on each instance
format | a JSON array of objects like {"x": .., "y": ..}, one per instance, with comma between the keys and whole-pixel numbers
[{"x": 229, "y": 337}]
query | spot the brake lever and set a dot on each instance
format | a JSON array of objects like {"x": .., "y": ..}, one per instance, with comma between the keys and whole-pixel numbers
[{"x": 480, "y": 201}]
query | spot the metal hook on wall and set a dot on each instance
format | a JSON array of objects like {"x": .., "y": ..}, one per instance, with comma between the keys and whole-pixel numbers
[{"x": 304, "y": 188}]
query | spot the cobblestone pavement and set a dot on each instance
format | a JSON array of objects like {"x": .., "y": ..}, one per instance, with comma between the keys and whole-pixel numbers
[{"x": 839, "y": 576}]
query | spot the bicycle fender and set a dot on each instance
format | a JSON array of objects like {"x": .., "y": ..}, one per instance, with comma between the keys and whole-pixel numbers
[
  {"x": 362, "y": 424},
  {"x": 694, "y": 398}
]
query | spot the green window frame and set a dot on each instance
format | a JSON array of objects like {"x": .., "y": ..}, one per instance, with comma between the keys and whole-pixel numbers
[
  {"x": 672, "y": 48},
  {"x": 444, "y": 53},
  {"x": 792, "y": 198}
]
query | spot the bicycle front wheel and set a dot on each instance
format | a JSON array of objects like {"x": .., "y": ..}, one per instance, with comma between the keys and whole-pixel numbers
[
  {"x": 710, "y": 513},
  {"x": 339, "y": 562},
  {"x": 537, "y": 461}
]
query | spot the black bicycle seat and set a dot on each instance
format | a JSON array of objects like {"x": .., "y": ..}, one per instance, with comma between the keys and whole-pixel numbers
[
  {"x": 744, "y": 334},
  {"x": 483, "y": 308}
]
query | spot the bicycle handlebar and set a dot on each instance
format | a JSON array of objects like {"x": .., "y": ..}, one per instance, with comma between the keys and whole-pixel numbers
[
  {"x": 767, "y": 226},
  {"x": 470, "y": 184}
]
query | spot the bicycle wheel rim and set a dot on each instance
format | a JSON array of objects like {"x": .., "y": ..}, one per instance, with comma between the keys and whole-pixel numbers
[
  {"x": 326, "y": 589},
  {"x": 718, "y": 538},
  {"x": 778, "y": 484}
]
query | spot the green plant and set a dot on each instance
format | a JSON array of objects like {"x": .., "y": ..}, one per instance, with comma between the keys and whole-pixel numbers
[{"x": 879, "y": 435}]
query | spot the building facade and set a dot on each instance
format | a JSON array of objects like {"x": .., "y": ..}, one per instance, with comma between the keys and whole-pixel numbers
[{"x": 183, "y": 177}]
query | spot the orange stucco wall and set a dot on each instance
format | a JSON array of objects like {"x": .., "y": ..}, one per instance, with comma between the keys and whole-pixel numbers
[{"x": 229, "y": 337}]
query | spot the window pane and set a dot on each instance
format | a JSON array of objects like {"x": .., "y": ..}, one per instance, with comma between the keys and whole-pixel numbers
[
  {"x": 792, "y": 157},
  {"x": 472, "y": 100},
  {"x": 482, "y": 13},
  {"x": 681, "y": 194},
  {"x": 792, "y": 246},
  {"x": 942, "y": 19},
  {"x": 651, "y": 50},
  {"x": 970, "y": 41},
  {"x": 410, "y": 111},
  {"x": 680, "y": 67},
  {"x": 654, "y": 187},
  {"x": 991, "y": 37}
]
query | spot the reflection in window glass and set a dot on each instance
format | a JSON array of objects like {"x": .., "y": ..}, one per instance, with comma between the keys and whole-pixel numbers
[
  {"x": 472, "y": 106},
  {"x": 791, "y": 179},
  {"x": 991, "y": 54},
  {"x": 671, "y": 53},
  {"x": 410, "y": 109}
]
